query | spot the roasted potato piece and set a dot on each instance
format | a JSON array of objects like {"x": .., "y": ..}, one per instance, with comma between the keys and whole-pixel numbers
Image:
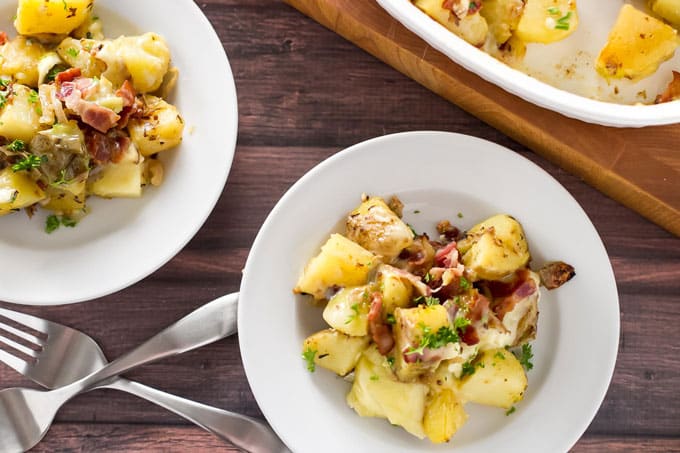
[
  {"x": 444, "y": 415},
  {"x": 67, "y": 198},
  {"x": 17, "y": 190},
  {"x": 503, "y": 17},
  {"x": 20, "y": 113},
  {"x": 341, "y": 263},
  {"x": 145, "y": 59},
  {"x": 160, "y": 128},
  {"x": 637, "y": 45},
  {"x": 546, "y": 21},
  {"x": 122, "y": 179},
  {"x": 61, "y": 17},
  {"x": 19, "y": 60},
  {"x": 377, "y": 393},
  {"x": 494, "y": 248},
  {"x": 472, "y": 27},
  {"x": 396, "y": 291},
  {"x": 667, "y": 9},
  {"x": 374, "y": 226},
  {"x": 412, "y": 325},
  {"x": 498, "y": 380},
  {"x": 335, "y": 351},
  {"x": 78, "y": 53},
  {"x": 347, "y": 311}
]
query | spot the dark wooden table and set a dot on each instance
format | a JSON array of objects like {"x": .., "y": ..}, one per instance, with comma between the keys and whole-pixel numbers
[{"x": 305, "y": 94}]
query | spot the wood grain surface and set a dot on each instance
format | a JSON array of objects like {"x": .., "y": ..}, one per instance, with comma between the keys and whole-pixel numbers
[
  {"x": 638, "y": 167},
  {"x": 304, "y": 94}
]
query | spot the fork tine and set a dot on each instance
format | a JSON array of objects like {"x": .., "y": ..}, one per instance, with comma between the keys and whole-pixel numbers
[
  {"x": 19, "y": 347},
  {"x": 35, "y": 323},
  {"x": 21, "y": 334},
  {"x": 13, "y": 362}
]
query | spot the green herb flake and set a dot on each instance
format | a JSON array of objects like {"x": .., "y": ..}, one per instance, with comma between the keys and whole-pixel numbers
[
  {"x": 468, "y": 369},
  {"x": 436, "y": 340},
  {"x": 72, "y": 52},
  {"x": 464, "y": 284},
  {"x": 17, "y": 146},
  {"x": 52, "y": 224},
  {"x": 308, "y": 356},
  {"x": 3, "y": 100},
  {"x": 427, "y": 278},
  {"x": 461, "y": 323},
  {"x": 68, "y": 222},
  {"x": 375, "y": 377},
  {"x": 412, "y": 230},
  {"x": 417, "y": 211},
  {"x": 391, "y": 319},
  {"x": 390, "y": 361},
  {"x": 65, "y": 5},
  {"x": 554, "y": 11},
  {"x": 563, "y": 22},
  {"x": 460, "y": 215},
  {"x": 499, "y": 355},
  {"x": 524, "y": 356},
  {"x": 353, "y": 316},
  {"x": 510, "y": 411},
  {"x": 29, "y": 162}
]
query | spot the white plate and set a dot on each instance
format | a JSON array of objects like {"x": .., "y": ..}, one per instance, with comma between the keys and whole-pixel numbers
[
  {"x": 439, "y": 174},
  {"x": 581, "y": 95},
  {"x": 122, "y": 241}
]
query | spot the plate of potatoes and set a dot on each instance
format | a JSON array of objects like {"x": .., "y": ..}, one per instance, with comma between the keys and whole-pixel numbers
[
  {"x": 612, "y": 63},
  {"x": 107, "y": 118},
  {"x": 311, "y": 341}
]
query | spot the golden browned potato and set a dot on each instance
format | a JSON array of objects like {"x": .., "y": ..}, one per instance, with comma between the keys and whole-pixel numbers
[
  {"x": 667, "y": 9},
  {"x": 546, "y": 21},
  {"x": 444, "y": 415},
  {"x": 347, "y": 311},
  {"x": 374, "y": 226},
  {"x": 19, "y": 113},
  {"x": 498, "y": 380},
  {"x": 19, "y": 60},
  {"x": 17, "y": 190},
  {"x": 158, "y": 129},
  {"x": 503, "y": 17},
  {"x": 471, "y": 27},
  {"x": 377, "y": 393},
  {"x": 638, "y": 43},
  {"x": 68, "y": 198},
  {"x": 341, "y": 263},
  {"x": 60, "y": 17},
  {"x": 495, "y": 248},
  {"x": 334, "y": 350}
]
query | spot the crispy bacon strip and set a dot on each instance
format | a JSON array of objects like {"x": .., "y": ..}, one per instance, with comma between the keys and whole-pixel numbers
[
  {"x": 379, "y": 330},
  {"x": 672, "y": 92},
  {"x": 105, "y": 148},
  {"x": 3, "y": 38},
  {"x": 66, "y": 76}
]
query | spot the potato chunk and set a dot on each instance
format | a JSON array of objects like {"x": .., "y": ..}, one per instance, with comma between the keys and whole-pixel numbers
[
  {"x": 374, "y": 226},
  {"x": 158, "y": 129},
  {"x": 335, "y": 351},
  {"x": 51, "y": 16},
  {"x": 637, "y": 45},
  {"x": 503, "y": 17},
  {"x": 17, "y": 190},
  {"x": 495, "y": 248},
  {"x": 347, "y": 311},
  {"x": 20, "y": 115},
  {"x": 377, "y": 393},
  {"x": 67, "y": 199},
  {"x": 341, "y": 263},
  {"x": 19, "y": 60},
  {"x": 498, "y": 380},
  {"x": 546, "y": 21},
  {"x": 472, "y": 27},
  {"x": 667, "y": 9},
  {"x": 444, "y": 415},
  {"x": 78, "y": 53}
]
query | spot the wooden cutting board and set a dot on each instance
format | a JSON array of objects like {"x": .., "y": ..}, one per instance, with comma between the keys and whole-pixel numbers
[{"x": 637, "y": 167}]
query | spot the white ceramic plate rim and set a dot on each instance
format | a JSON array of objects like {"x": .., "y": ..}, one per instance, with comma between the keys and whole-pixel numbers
[
  {"x": 522, "y": 85},
  {"x": 302, "y": 408},
  {"x": 95, "y": 259}
]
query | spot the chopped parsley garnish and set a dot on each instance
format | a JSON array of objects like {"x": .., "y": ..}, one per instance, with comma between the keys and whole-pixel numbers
[
  {"x": 308, "y": 356},
  {"x": 33, "y": 98},
  {"x": 468, "y": 369},
  {"x": 3, "y": 100},
  {"x": 72, "y": 52},
  {"x": 554, "y": 10},
  {"x": 563, "y": 22},
  {"x": 61, "y": 180},
  {"x": 390, "y": 361},
  {"x": 499, "y": 355},
  {"x": 430, "y": 340},
  {"x": 412, "y": 230},
  {"x": 391, "y": 319},
  {"x": 16, "y": 146},
  {"x": 511, "y": 410},
  {"x": 460, "y": 215},
  {"x": 461, "y": 323},
  {"x": 416, "y": 211},
  {"x": 65, "y": 5},
  {"x": 53, "y": 222},
  {"x": 427, "y": 300},
  {"x": 29, "y": 162},
  {"x": 4, "y": 83},
  {"x": 524, "y": 356},
  {"x": 52, "y": 73},
  {"x": 427, "y": 278},
  {"x": 355, "y": 315},
  {"x": 374, "y": 377},
  {"x": 464, "y": 284}
]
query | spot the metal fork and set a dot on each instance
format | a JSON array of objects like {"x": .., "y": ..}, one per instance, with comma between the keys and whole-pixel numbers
[{"x": 61, "y": 356}]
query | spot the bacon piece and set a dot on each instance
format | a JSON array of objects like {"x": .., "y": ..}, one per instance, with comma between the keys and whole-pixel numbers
[
  {"x": 478, "y": 307},
  {"x": 127, "y": 92},
  {"x": 100, "y": 118},
  {"x": 105, "y": 148},
  {"x": 506, "y": 304},
  {"x": 67, "y": 76},
  {"x": 379, "y": 330},
  {"x": 432, "y": 355},
  {"x": 450, "y": 232},
  {"x": 672, "y": 92},
  {"x": 555, "y": 274},
  {"x": 92, "y": 114},
  {"x": 131, "y": 105},
  {"x": 3, "y": 38}
]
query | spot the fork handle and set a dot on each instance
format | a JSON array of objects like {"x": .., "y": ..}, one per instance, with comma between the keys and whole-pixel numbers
[
  {"x": 244, "y": 432},
  {"x": 207, "y": 324}
]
